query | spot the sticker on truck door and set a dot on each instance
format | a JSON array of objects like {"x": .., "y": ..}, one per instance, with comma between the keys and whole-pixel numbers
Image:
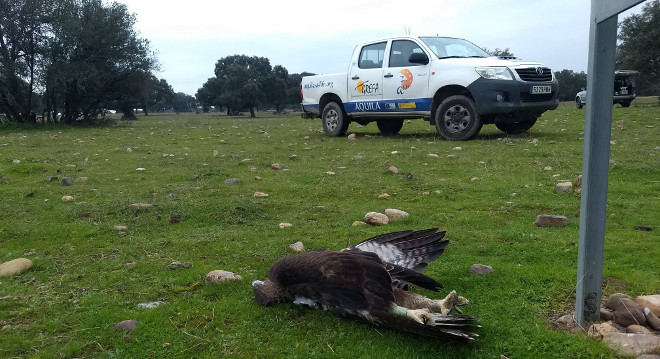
[
  {"x": 367, "y": 88},
  {"x": 406, "y": 81}
]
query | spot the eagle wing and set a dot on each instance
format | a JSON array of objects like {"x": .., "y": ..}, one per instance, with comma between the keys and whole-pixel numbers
[{"x": 348, "y": 283}]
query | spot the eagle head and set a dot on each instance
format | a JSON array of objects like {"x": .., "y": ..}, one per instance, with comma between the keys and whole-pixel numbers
[{"x": 268, "y": 293}]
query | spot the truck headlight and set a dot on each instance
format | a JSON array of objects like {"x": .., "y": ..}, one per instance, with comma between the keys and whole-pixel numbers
[{"x": 494, "y": 73}]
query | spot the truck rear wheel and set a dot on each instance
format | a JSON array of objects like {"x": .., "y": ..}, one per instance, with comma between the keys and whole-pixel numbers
[
  {"x": 389, "y": 127},
  {"x": 514, "y": 128},
  {"x": 334, "y": 122},
  {"x": 457, "y": 119}
]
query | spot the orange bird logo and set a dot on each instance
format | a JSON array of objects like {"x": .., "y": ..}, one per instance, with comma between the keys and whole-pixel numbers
[{"x": 407, "y": 78}]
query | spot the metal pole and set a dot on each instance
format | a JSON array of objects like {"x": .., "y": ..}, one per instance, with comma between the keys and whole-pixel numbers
[{"x": 595, "y": 166}]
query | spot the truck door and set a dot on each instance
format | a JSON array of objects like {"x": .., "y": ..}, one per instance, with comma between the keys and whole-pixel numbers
[
  {"x": 405, "y": 84},
  {"x": 365, "y": 79}
]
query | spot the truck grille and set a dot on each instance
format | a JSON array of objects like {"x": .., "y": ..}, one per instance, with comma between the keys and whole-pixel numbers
[
  {"x": 528, "y": 97},
  {"x": 532, "y": 75}
]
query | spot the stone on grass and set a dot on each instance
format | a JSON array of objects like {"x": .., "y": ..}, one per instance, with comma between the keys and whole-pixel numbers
[
  {"x": 474, "y": 179},
  {"x": 121, "y": 227},
  {"x": 330, "y": 173},
  {"x": 195, "y": 177},
  {"x": 566, "y": 321},
  {"x": 66, "y": 181},
  {"x": 276, "y": 166},
  {"x": 546, "y": 220},
  {"x": 129, "y": 325},
  {"x": 637, "y": 329},
  {"x": 612, "y": 302},
  {"x": 257, "y": 178},
  {"x": 383, "y": 196},
  {"x": 395, "y": 214},
  {"x": 52, "y": 179},
  {"x": 393, "y": 169},
  {"x": 599, "y": 330},
  {"x": 433, "y": 155},
  {"x": 15, "y": 267},
  {"x": 626, "y": 344},
  {"x": 140, "y": 205},
  {"x": 81, "y": 179},
  {"x": 297, "y": 247},
  {"x": 140, "y": 169},
  {"x": 564, "y": 187},
  {"x": 150, "y": 305},
  {"x": 578, "y": 181},
  {"x": 232, "y": 181},
  {"x": 174, "y": 265},
  {"x": 16, "y": 162},
  {"x": 481, "y": 269},
  {"x": 260, "y": 194},
  {"x": 375, "y": 218},
  {"x": 359, "y": 223},
  {"x": 219, "y": 275},
  {"x": 643, "y": 228},
  {"x": 352, "y": 137},
  {"x": 285, "y": 225},
  {"x": 650, "y": 301},
  {"x": 67, "y": 198},
  {"x": 175, "y": 218},
  {"x": 627, "y": 312},
  {"x": 172, "y": 196}
]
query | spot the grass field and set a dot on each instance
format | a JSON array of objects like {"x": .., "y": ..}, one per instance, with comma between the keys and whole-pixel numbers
[{"x": 486, "y": 195}]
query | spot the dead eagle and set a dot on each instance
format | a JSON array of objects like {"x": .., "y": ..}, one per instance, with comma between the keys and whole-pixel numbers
[{"x": 366, "y": 282}]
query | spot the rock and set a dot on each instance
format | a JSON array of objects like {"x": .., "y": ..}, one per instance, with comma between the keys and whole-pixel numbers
[
  {"x": 129, "y": 150},
  {"x": 218, "y": 276},
  {"x": 120, "y": 227},
  {"x": 81, "y": 179},
  {"x": 433, "y": 155},
  {"x": 409, "y": 175},
  {"x": 15, "y": 267},
  {"x": 606, "y": 315},
  {"x": 481, "y": 269},
  {"x": 232, "y": 181},
  {"x": 637, "y": 329},
  {"x": 175, "y": 218},
  {"x": 352, "y": 137},
  {"x": 276, "y": 166},
  {"x": 257, "y": 178},
  {"x": 66, "y": 181},
  {"x": 285, "y": 225},
  {"x": 186, "y": 265},
  {"x": 330, "y": 173},
  {"x": 52, "y": 179},
  {"x": 129, "y": 325},
  {"x": 306, "y": 138},
  {"x": 457, "y": 148},
  {"x": 297, "y": 247},
  {"x": 627, "y": 312},
  {"x": 564, "y": 187},
  {"x": 613, "y": 300},
  {"x": 293, "y": 157},
  {"x": 643, "y": 228},
  {"x": 383, "y": 196},
  {"x": 648, "y": 356},
  {"x": 474, "y": 179},
  {"x": 395, "y": 214},
  {"x": 67, "y": 198},
  {"x": 195, "y": 177},
  {"x": 632, "y": 344},
  {"x": 547, "y": 168},
  {"x": 393, "y": 170},
  {"x": 566, "y": 321},
  {"x": 174, "y": 265},
  {"x": 652, "y": 319},
  {"x": 376, "y": 218},
  {"x": 172, "y": 196},
  {"x": 546, "y": 220},
  {"x": 578, "y": 181},
  {"x": 140, "y": 169},
  {"x": 140, "y": 205},
  {"x": 359, "y": 223},
  {"x": 599, "y": 330},
  {"x": 260, "y": 194},
  {"x": 650, "y": 301},
  {"x": 16, "y": 162},
  {"x": 151, "y": 305},
  {"x": 358, "y": 157}
]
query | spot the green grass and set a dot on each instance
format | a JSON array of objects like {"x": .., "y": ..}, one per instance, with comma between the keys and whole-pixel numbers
[{"x": 87, "y": 277}]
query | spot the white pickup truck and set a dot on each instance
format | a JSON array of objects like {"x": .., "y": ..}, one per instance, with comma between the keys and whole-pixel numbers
[{"x": 450, "y": 82}]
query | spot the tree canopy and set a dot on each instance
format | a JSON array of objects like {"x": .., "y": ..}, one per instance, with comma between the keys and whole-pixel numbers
[
  {"x": 570, "y": 83},
  {"x": 639, "y": 47}
]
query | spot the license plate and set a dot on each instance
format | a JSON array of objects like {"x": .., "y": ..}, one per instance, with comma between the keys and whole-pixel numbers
[
  {"x": 541, "y": 89},
  {"x": 624, "y": 91}
]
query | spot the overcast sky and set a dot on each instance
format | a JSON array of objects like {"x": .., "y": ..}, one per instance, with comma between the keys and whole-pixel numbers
[{"x": 190, "y": 36}]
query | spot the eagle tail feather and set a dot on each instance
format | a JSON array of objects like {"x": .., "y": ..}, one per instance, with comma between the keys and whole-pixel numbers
[{"x": 451, "y": 327}]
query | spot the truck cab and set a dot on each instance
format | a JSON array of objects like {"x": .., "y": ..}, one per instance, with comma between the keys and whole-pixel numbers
[{"x": 450, "y": 82}]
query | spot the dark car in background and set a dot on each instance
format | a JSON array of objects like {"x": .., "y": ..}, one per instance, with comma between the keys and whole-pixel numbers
[{"x": 624, "y": 89}]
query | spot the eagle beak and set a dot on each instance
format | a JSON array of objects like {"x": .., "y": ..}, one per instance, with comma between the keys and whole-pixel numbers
[{"x": 257, "y": 282}]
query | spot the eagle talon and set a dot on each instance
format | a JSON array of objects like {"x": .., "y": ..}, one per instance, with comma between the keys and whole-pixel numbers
[
  {"x": 449, "y": 303},
  {"x": 421, "y": 316}
]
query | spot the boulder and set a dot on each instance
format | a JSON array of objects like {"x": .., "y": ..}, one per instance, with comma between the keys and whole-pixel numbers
[
  {"x": 218, "y": 276},
  {"x": 66, "y": 181},
  {"x": 651, "y": 319},
  {"x": 599, "y": 330},
  {"x": 613, "y": 301},
  {"x": 638, "y": 329},
  {"x": 481, "y": 269},
  {"x": 395, "y": 214},
  {"x": 15, "y": 267},
  {"x": 546, "y": 220},
  {"x": 376, "y": 218},
  {"x": 650, "y": 301},
  {"x": 626, "y": 344},
  {"x": 606, "y": 315}
]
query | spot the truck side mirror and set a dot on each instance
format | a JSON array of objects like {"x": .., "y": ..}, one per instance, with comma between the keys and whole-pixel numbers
[{"x": 418, "y": 58}]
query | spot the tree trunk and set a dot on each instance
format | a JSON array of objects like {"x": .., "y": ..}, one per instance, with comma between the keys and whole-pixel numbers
[{"x": 252, "y": 112}]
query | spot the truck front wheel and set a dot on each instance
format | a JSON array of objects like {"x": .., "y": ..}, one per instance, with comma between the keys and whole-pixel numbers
[
  {"x": 389, "y": 127},
  {"x": 334, "y": 122},
  {"x": 456, "y": 118}
]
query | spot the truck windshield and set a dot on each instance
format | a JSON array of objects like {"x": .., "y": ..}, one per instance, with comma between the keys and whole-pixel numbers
[{"x": 445, "y": 47}]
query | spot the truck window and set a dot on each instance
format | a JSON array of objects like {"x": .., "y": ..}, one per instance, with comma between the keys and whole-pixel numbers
[
  {"x": 371, "y": 56},
  {"x": 400, "y": 52}
]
